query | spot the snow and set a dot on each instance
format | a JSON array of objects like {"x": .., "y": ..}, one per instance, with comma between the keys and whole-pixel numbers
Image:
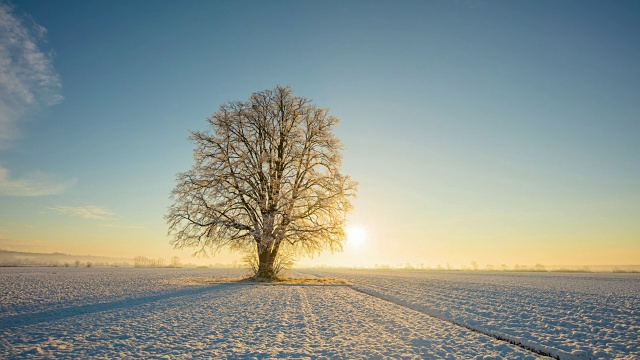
[
  {"x": 72, "y": 313},
  {"x": 28, "y": 290},
  {"x": 145, "y": 313},
  {"x": 570, "y": 316}
]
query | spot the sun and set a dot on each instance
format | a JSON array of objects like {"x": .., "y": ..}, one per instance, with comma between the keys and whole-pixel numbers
[{"x": 356, "y": 235}]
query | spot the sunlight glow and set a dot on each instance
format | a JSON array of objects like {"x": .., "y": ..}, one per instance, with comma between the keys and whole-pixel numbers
[{"x": 356, "y": 235}]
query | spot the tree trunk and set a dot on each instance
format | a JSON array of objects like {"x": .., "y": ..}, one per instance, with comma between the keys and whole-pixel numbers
[{"x": 266, "y": 270}]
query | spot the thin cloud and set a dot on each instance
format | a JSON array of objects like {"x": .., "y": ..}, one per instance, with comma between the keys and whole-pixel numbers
[
  {"x": 85, "y": 212},
  {"x": 24, "y": 245},
  {"x": 33, "y": 184},
  {"x": 117, "y": 226},
  {"x": 108, "y": 218},
  {"x": 28, "y": 80}
]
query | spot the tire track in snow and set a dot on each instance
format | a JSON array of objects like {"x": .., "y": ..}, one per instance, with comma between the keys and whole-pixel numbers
[
  {"x": 524, "y": 344},
  {"x": 310, "y": 319}
]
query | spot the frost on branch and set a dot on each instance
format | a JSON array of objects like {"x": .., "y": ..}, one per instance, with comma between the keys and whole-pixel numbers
[{"x": 266, "y": 175}]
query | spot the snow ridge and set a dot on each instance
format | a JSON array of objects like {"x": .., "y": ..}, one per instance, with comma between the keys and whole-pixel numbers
[{"x": 525, "y": 344}]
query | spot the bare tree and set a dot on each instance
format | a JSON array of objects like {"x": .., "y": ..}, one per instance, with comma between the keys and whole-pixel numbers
[
  {"x": 176, "y": 261},
  {"x": 283, "y": 261},
  {"x": 265, "y": 174},
  {"x": 139, "y": 261}
]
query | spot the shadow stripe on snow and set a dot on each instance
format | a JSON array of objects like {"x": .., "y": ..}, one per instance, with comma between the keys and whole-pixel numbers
[
  {"x": 16, "y": 321},
  {"x": 524, "y": 344}
]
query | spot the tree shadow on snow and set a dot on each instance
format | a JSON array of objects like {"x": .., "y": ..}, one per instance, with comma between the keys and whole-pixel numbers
[{"x": 21, "y": 320}]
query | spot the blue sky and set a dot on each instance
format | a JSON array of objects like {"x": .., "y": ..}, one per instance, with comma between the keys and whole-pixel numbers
[{"x": 500, "y": 132}]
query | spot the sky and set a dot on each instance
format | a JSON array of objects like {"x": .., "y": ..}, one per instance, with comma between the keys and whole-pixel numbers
[{"x": 499, "y": 132}]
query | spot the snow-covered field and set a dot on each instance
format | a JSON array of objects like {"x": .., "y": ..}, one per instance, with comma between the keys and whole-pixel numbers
[
  {"x": 169, "y": 313},
  {"x": 588, "y": 315}
]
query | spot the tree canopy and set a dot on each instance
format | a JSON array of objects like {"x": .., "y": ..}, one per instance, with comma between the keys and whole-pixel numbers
[{"x": 266, "y": 176}]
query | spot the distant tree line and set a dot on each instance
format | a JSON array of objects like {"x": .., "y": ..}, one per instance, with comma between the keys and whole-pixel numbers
[
  {"x": 475, "y": 267},
  {"x": 18, "y": 262},
  {"x": 17, "y": 258},
  {"x": 145, "y": 262}
]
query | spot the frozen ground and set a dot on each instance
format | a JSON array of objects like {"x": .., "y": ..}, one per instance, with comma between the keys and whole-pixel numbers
[
  {"x": 31, "y": 290},
  {"x": 568, "y": 315},
  {"x": 141, "y": 313}
]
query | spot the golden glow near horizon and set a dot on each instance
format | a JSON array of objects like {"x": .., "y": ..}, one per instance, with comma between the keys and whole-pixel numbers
[{"x": 356, "y": 236}]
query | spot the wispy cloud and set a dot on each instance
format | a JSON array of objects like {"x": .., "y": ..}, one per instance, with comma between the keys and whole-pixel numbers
[
  {"x": 33, "y": 184},
  {"x": 108, "y": 218},
  {"x": 28, "y": 80},
  {"x": 85, "y": 212},
  {"x": 135, "y": 227},
  {"x": 24, "y": 245}
]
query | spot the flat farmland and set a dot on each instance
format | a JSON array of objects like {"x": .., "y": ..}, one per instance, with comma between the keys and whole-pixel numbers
[
  {"x": 71, "y": 313},
  {"x": 567, "y": 315}
]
